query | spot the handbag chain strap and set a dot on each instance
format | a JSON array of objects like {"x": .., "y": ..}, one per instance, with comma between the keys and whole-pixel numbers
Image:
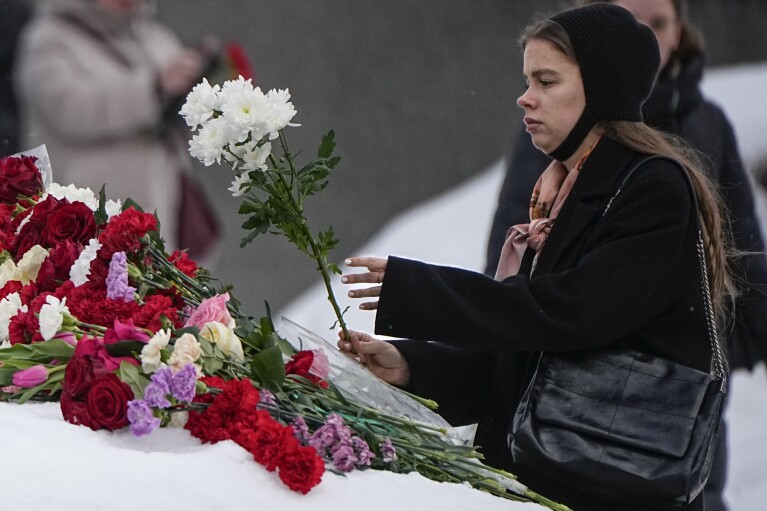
[{"x": 718, "y": 366}]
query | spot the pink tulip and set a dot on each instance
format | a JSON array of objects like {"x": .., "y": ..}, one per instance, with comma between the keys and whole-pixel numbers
[{"x": 31, "y": 377}]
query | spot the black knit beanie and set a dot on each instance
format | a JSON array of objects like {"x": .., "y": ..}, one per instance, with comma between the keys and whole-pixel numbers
[{"x": 618, "y": 58}]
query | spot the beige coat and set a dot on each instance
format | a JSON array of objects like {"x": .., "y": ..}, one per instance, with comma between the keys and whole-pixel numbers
[{"x": 91, "y": 97}]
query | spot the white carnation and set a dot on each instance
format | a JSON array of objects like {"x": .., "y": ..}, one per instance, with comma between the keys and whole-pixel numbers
[
  {"x": 151, "y": 353},
  {"x": 8, "y": 272},
  {"x": 113, "y": 207},
  {"x": 186, "y": 350},
  {"x": 30, "y": 263},
  {"x": 74, "y": 194},
  {"x": 200, "y": 104},
  {"x": 9, "y": 307},
  {"x": 81, "y": 268},
  {"x": 52, "y": 316}
]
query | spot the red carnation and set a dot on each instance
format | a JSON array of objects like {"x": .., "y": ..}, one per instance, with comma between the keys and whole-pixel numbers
[
  {"x": 181, "y": 261},
  {"x": 268, "y": 440},
  {"x": 301, "y": 468},
  {"x": 19, "y": 176},
  {"x": 149, "y": 315},
  {"x": 123, "y": 233}
]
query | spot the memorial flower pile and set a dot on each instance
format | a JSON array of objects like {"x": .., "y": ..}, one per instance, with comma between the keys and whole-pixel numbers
[{"x": 97, "y": 315}]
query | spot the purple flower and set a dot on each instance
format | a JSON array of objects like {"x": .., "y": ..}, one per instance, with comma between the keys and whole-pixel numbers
[
  {"x": 323, "y": 438},
  {"x": 267, "y": 398},
  {"x": 182, "y": 385},
  {"x": 344, "y": 458},
  {"x": 363, "y": 452},
  {"x": 163, "y": 376},
  {"x": 156, "y": 394},
  {"x": 141, "y": 418},
  {"x": 300, "y": 429},
  {"x": 388, "y": 452},
  {"x": 117, "y": 279}
]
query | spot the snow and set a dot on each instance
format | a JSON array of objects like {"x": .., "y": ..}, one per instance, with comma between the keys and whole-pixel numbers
[{"x": 54, "y": 465}]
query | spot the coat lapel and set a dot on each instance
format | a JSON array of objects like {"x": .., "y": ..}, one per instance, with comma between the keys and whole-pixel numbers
[{"x": 599, "y": 178}]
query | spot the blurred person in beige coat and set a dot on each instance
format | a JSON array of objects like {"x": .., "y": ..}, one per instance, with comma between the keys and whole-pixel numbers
[{"x": 94, "y": 78}]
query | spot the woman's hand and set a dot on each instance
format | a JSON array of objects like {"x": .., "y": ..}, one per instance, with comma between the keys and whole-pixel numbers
[
  {"x": 376, "y": 268},
  {"x": 380, "y": 357}
]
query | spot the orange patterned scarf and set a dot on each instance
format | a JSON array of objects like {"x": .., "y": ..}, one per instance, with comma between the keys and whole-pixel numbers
[{"x": 549, "y": 194}]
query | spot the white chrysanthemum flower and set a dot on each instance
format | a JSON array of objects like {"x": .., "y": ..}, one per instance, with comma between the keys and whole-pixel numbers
[
  {"x": 81, "y": 268},
  {"x": 256, "y": 158},
  {"x": 200, "y": 104},
  {"x": 223, "y": 337},
  {"x": 151, "y": 353},
  {"x": 208, "y": 144},
  {"x": 244, "y": 111},
  {"x": 238, "y": 189},
  {"x": 279, "y": 111},
  {"x": 52, "y": 316},
  {"x": 113, "y": 208},
  {"x": 9, "y": 307},
  {"x": 73, "y": 194},
  {"x": 30, "y": 263}
]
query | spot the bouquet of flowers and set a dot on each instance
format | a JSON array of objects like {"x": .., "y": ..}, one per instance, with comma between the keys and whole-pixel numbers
[{"x": 95, "y": 314}]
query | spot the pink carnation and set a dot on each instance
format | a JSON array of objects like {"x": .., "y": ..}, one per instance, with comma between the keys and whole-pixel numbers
[{"x": 211, "y": 309}]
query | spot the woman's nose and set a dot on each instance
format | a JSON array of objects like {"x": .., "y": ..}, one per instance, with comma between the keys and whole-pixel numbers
[{"x": 525, "y": 101}]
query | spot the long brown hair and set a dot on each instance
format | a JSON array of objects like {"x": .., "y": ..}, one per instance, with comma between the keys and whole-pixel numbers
[{"x": 642, "y": 138}]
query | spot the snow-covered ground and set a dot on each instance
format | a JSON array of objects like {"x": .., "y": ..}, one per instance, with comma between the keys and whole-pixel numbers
[{"x": 53, "y": 465}]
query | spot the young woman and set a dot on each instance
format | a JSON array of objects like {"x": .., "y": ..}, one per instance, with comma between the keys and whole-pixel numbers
[
  {"x": 676, "y": 105},
  {"x": 571, "y": 279}
]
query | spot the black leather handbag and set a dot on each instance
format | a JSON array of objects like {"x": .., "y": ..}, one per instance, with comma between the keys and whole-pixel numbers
[{"x": 621, "y": 424}]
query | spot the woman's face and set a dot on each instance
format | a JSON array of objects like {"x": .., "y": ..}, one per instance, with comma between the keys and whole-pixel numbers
[
  {"x": 555, "y": 99},
  {"x": 662, "y": 18}
]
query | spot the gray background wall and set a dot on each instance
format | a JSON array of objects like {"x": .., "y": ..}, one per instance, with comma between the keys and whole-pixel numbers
[{"x": 421, "y": 95}]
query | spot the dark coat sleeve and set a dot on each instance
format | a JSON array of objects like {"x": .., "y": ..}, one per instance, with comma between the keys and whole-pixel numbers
[
  {"x": 456, "y": 377},
  {"x": 617, "y": 286},
  {"x": 748, "y": 341},
  {"x": 525, "y": 163}
]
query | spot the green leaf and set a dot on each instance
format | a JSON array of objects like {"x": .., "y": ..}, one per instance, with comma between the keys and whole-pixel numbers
[
  {"x": 130, "y": 202},
  {"x": 327, "y": 145},
  {"x": 131, "y": 375},
  {"x": 268, "y": 369},
  {"x": 212, "y": 365},
  {"x": 125, "y": 348},
  {"x": 100, "y": 215},
  {"x": 39, "y": 351}
]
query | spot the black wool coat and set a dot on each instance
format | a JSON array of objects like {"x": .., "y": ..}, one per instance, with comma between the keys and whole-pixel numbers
[
  {"x": 629, "y": 278},
  {"x": 676, "y": 106}
]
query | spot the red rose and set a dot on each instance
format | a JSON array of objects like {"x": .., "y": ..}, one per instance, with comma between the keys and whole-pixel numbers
[
  {"x": 301, "y": 468},
  {"x": 300, "y": 364},
  {"x": 108, "y": 402},
  {"x": 74, "y": 411},
  {"x": 72, "y": 222},
  {"x": 26, "y": 239},
  {"x": 19, "y": 176},
  {"x": 55, "y": 267},
  {"x": 78, "y": 377}
]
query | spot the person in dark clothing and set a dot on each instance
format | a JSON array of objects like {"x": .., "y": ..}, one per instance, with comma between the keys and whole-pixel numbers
[
  {"x": 14, "y": 15},
  {"x": 575, "y": 277},
  {"x": 676, "y": 105}
]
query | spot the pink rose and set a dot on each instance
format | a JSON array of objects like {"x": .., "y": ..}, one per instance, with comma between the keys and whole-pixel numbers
[
  {"x": 30, "y": 377},
  {"x": 211, "y": 309}
]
